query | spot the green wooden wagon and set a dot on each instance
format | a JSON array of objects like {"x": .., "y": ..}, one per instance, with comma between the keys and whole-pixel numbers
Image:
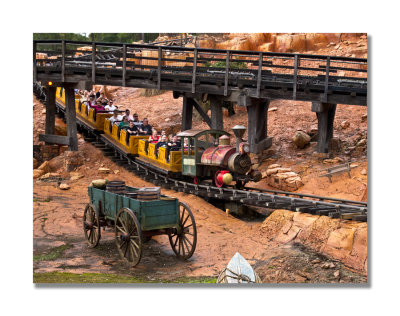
[{"x": 135, "y": 221}]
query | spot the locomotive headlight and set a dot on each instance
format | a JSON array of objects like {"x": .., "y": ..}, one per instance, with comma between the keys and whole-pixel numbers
[{"x": 246, "y": 148}]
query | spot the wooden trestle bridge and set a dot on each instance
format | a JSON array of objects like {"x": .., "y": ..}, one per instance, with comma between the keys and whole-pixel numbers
[{"x": 247, "y": 78}]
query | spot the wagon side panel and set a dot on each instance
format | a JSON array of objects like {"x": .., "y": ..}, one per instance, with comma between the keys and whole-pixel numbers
[{"x": 159, "y": 214}]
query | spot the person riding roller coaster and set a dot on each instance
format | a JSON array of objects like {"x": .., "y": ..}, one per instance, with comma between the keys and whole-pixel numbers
[
  {"x": 162, "y": 143},
  {"x": 154, "y": 138},
  {"x": 173, "y": 145}
]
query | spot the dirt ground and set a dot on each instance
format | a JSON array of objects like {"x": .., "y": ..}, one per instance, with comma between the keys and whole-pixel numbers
[
  {"x": 58, "y": 221},
  {"x": 58, "y": 213}
]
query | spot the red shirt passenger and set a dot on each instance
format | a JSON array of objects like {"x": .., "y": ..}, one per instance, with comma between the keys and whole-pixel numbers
[{"x": 154, "y": 138}]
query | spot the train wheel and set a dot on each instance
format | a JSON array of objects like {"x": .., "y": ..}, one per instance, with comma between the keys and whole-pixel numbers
[
  {"x": 196, "y": 180},
  {"x": 91, "y": 225},
  {"x": 183, "y": 240},
  {"x": 128, "y": 236}
]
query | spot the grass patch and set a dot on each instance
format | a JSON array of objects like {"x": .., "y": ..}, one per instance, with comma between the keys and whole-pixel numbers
[
  {"x": 66, "y": 277},
  {"x": 38, "y": 200},
  {"x": 53, "y": 254}
]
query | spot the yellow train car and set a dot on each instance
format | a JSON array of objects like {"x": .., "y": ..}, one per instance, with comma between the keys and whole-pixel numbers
[
  {"x": 120, "y": 137},
  {"x": 89, "y": 116},
  {"x": 175, "y": 159}
]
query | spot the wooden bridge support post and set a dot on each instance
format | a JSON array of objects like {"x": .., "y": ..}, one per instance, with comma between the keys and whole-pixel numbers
[
  {"x": 257, "y": 112},
  {"x": 50, "y": 111},
  {"x": 70, "y": 114},
  {"x": 187, "y": 112},
  {"x": 216, "y": 113},
  {"x": 325, "y": 115}
]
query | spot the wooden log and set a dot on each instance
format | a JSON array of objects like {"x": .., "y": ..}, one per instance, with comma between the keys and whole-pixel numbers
[
  {"x": 55, "y": 139},
  {"x": 159, "y": 68},
  {"x": 187, "y": 112},
  {"x": 93, "y": 62},
  {"x": 260, "y": 64},
  {"x": 124, "y": 66},
  {"x": 203, "y": 114},
  {"x": 226, "y": 73},
  {"x": 63, "y": 60},
  {"x": 296, "y": 61},
  {"x": 216, "y": 113},
  {"x": 50, "y": 110},
  {"x": 194, "y": 71},
  {"x": 70, "y": 114}
]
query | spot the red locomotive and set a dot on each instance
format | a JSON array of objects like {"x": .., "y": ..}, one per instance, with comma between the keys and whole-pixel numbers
[{"x": 211, "y": 155}]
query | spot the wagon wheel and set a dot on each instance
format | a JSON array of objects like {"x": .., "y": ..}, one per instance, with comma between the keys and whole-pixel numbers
[
  {"x": 183, "y": 240},
  {"x": 91, "y": 225},
  {"x": 128, "y": 236}
]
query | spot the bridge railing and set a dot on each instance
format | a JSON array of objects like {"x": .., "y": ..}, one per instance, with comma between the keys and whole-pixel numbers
[{"x": 195, "y": 64}]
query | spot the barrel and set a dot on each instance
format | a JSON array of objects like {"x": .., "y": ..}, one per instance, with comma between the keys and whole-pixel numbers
[
  {"x": 149, "y": 194},
  {"x": 117, "y": 187}
]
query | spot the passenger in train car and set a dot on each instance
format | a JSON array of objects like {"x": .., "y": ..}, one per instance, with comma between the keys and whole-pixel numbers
[
  {"x": 116, "y": 118},
  {"x": 91, "y": 102},
  {"x": 110, "y": 106},
  {"x": 185, "y": 142},
  {"x": 132, "y": 129},
  {"x": 128, "y": 115},
  {"x": 154, "y": 138},
  {"x": 173, "y": 145},
  {"x": 145, "y": 128},
  {"x": 125, "y": 123},
  {"x": 136, "y": 120},
  {"x": 98, "y": 106},
  {"x": 162, "y": 143}
]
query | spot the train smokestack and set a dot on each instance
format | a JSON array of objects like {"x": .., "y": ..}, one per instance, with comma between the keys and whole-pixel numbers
[{"x": 239, "y": 131}]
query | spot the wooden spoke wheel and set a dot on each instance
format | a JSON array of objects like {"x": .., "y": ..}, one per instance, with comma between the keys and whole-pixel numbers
[
  {"x": 128, "y": 236},
  {"x": 183, "y": 240},
  {"x": 91, "y": 225}
]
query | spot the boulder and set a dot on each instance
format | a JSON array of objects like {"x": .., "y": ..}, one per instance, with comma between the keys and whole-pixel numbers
[
  {"x": 364, "y": 118},
  {"x": 99, "y": 183},
  {"x": 72, "y": 160},
  {"x": 56, "y": 163},
  {"x": 75, "y": 176},
  {"x": 64, "y": 186},
  {"x": 45, "y": 167},
  {"x": 301, "y": 139},
  {"x": 361, "y": 143},
  {"x": 38, "y": 173},
  {"x": 282, "y": 178},
  {"x": 345, "y": 124},
  {"x": 104, "y": 170},
  {"x": 49, "y": 175}
]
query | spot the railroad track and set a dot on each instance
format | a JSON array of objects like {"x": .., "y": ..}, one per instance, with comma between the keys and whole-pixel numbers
[{"x": 270, "y": 199}]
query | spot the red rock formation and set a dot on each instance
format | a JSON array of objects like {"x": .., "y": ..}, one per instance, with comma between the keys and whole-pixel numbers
[{"x": 345, "y": 241}]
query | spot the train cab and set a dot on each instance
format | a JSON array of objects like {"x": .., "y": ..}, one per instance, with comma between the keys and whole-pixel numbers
[{"x": 196, "y": 143}]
